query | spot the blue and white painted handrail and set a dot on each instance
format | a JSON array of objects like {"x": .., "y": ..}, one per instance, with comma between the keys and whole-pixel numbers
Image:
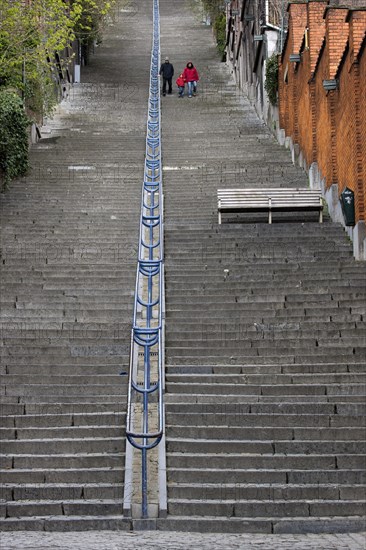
[{"x": 146, "y": 377}]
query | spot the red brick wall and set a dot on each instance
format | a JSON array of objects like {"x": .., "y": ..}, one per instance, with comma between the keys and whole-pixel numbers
[
  {"x": 283, "y": 97},
  {"x": 323, "y": 121},
  {"x": 316, "y": 36},
  {"x": 357, "y": 54},
  {"x": 329, "y": 126},
  {"x": 288, "y": 101},
  {"x": 304, "y": 108},
  {"x": 360, "y": 68},
  {"x": 316, "y": 26},
  {"x": 346, "y": 125},
  {"x": 337, "y": 32}
]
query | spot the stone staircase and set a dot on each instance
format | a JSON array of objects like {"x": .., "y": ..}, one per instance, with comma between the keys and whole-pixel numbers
[
  {"x": 68, "y": 266},
  {"x": 265, "y": 339},
  {"x": 265, "y": 327},
  {"x": 265, "y": 397}
]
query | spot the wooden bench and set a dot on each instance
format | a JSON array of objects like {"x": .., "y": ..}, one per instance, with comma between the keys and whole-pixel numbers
[{"x": 271, "y": 200}]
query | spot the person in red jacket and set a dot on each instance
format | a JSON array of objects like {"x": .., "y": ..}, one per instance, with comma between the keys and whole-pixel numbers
[
  {"x": 180, "y": 82},
  {"x": 190, "y": 75}
]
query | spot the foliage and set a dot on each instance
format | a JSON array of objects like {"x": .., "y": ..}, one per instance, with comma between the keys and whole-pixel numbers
[
  {"x": 30, "y": 34},
  {"x": 33, "y": 37},
  {"x": 13, "y": 136},
  {"x": 90, "y": 18},
  {"x": 215, "y": 8},
  {"x": 271, "y": 83},
  {"x": 220, "y": 32}
]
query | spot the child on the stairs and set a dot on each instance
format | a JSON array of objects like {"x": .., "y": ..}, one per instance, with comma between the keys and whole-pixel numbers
[{"x": 180, "y": 82}]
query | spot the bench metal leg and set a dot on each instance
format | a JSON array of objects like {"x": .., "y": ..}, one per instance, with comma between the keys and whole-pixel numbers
[
  {"x": 269, "y": 210},
  {"x": 320, "y": 216},
  {"x": 219, "y": 217}
]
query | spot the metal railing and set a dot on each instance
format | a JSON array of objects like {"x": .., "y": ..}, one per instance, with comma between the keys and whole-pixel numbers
[{"x": 146, "y": 379}]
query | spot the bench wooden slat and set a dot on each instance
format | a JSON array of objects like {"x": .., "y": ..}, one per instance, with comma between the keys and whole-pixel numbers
[
  {"x": 274, "y": 204},
  {"x": 268, "y": 190},
  {"x": 280, "y": 199},
  {"x": 272, "y": 200},
  {"x": 236, "y": 194}
]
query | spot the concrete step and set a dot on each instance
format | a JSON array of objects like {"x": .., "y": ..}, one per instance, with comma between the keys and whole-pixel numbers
[
  {"x": 258, "y": 331},
  {"x": 78, "y": 460},
  {"x": 262, "y": 433},
  {"x": 103, "y": 370},
  {"x": 244, "y": 399},
  {"x": 78, "y": 355},
  {"x": 69, "y": 380},
  {"x": 240, "y": 359},
  {"x": 63, "y": 359},
  {"x": 34, "y": 391},
  {"x": 252, "y": 399},
  {"x": 64, "y": 491},
  {"x": 274, "y": 491},
  {"x": 265, "y": 389},
  {"x": 75, "y": 507},
  {"x": 63, "y": 445},
  {"x": 110, "y": 401},
  {"x": 249, "y": 414},
  {"x": 259, "y": 318},
  {"x": 67, "y": 523},
  {"x": 265, "y": 525},
  {"x": 66, "y": 420},
  {"x": 58, "y": 476},
  {"x": 222, "y": 407},
  {"x": 58, "y": 432},
  {"x": 296, "y": 461},
  {"x": 301, "y": 477},
  {"x": 320, "y": 368},
  {"x": 235, "y": 341},
  {"x": 268, "y": 378},
  {"x": 44, "y": 408},
  {"x": 266, "y": 508},
  {"x": 221, "y": 444}
]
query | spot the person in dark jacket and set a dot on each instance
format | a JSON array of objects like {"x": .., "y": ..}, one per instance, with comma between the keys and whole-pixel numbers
[
  {"x": 190, "y": 75},
  {"x": 167, "y": 72}
]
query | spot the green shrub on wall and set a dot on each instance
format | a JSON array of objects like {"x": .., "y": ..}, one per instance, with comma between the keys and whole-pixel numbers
[
  {"x": 220, "y": 33},
  {"x": 34, "y": 36},
  {"x": 218, "y": 19},
  {"x": 271, "y": 83},
  {"x": 13, "y": 137}
]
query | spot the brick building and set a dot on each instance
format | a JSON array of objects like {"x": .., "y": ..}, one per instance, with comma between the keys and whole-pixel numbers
[
  {"x": 255, "y": 30},
  {"x": 322, "y": 102}
]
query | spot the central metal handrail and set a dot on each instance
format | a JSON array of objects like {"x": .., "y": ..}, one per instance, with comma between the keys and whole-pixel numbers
[{"x": 146, "y": 377}]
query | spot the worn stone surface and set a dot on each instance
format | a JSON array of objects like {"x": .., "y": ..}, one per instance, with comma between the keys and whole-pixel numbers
[
  {"x": 69, "y": 249},
  {"x": 177, "y": 541},
  {"x": 261, "y": 322},
  {"x": 268, "y": 304}
]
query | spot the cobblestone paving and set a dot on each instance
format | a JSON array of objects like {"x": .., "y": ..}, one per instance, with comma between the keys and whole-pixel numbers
[{"x": 102, "y": 540}]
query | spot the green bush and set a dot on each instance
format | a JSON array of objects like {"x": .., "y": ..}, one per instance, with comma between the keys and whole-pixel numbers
[
  {"x": 271, "y": 83},
  {"x": 220, "y": 33},
  {"x": 34, "y": 36},
  {"x": 218, "y": 19},
  {"x": 13, "y": 136}
]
